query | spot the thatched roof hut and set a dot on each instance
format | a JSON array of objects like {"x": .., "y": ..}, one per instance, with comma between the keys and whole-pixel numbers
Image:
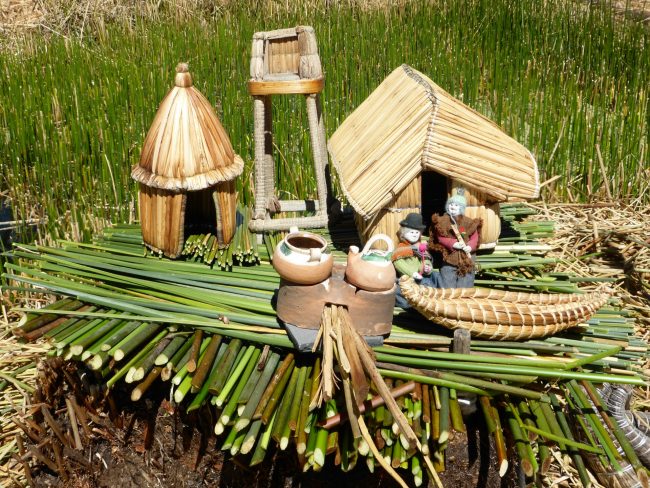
[
  {"x": 186, "y": 171},
  {"x": 408, "y": 127}
]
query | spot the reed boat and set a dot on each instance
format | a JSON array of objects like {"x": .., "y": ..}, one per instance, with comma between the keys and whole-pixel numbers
[{"x": 502, "y": 315}]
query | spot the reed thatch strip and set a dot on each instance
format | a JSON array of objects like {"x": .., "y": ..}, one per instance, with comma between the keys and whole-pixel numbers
[
  {"x": 501, "y": 315},
  {"x": 477, "y": 293},
  {"x": 377, "y": 146}
]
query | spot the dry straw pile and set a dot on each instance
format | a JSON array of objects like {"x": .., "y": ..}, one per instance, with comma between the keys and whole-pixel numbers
[{"x": 608, "y": 240}]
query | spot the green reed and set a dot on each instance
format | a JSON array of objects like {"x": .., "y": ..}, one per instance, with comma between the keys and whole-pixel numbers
[{"x": 562, "y": 77}]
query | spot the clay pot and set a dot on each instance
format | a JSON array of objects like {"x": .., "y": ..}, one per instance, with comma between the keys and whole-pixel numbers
[
  {"x": 300, "y": 258},
  {"x": 371, "y": 269}
]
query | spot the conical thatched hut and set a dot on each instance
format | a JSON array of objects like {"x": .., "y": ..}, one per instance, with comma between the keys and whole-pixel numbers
[
  {"x": 186, "y": 172},
  {"x": 410, "y": 144}
]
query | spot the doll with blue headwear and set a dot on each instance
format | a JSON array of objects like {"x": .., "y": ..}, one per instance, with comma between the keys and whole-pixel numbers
[{"x": 457, "y": 238}]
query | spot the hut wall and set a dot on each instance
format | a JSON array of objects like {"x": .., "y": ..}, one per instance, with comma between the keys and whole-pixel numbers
[
  {"x": 479, "y": 205},
  {"x": 162, "y": 219},
  {"x": 225, "y": 202},
  {"x": 388, "y": 218}
]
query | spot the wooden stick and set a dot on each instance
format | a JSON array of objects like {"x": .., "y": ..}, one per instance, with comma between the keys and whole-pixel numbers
[
  {"x": 139, "y": 390},
  {"x": 73, "y": 422},
  {"x": 280, "y": 372},
  {"x": 327, "y": 390},
  {"x": 494, "y": 427},
  {"x": 603, "y": 171},
  {"x": 358, "y": 379},
  {"x": 27, "y": 430},
  {"x": 81, "y": 415},
  {"x": 53, "y": 425},
  {"x": 378, "y": 456},
  {"x": 368, "y": 405},
  {"x": 56, "y": 447},
  {"x": 202, "y": 370},
  {"x": 38, "y": 454}
]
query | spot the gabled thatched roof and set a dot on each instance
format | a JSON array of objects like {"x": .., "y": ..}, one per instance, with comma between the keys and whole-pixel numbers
[
  {"x": 409, "y": 124},
  {"x": 186, "y": 147}
]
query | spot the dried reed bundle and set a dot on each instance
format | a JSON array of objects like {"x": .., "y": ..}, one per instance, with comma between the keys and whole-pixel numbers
[
  {"x": 186, "y": 147},
  {"x": 610, "y": 240},
  {"x": 498, "y": 319}
]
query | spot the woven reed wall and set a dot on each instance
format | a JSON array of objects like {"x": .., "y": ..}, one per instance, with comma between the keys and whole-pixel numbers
[
  {"x": 163, "y": 216},
  {"x": 479, "y": 205},
  {"x": 388, "y": 219},
  {"x": 225, "y": 202},
  {"x": 162, "y": 219},
  {"x": 283, "y": 56}
]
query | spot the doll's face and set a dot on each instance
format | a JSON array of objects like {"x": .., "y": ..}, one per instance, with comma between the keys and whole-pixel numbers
[
  {"x": 453, "y": 209},
  {"x": 411, "y": 235}
]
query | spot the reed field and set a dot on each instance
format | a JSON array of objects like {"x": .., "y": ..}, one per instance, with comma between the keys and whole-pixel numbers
[{"x": 568, "y": 80}]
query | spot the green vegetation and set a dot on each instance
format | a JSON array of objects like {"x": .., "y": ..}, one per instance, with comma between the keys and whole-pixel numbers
[{"x": 563, "y": 78}]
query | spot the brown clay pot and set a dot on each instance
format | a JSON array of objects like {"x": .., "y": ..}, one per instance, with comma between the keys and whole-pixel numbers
[
  {"x": 371, "y": 269},
  {"x": 300, "y": 258}
]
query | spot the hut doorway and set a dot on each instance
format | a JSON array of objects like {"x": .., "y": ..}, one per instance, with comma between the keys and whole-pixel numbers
[
  {"x": 434, "y": 195},
  {"x": 200, "y": 213}
]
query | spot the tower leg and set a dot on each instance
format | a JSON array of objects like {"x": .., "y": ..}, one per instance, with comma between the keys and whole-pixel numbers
[
  {"x": 270, "y": 199},
  {"x": 318, "y": 144},
  {"x": 260, "y": 161}
]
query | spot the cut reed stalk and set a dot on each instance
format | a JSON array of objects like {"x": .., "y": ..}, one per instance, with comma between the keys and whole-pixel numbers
[
  {"x": 491, "y": 416},
  {"x": 225, "y": 365},
  {"x": 231, "y": 406},
  {"x": 274, "y": 391},
  {"x": 194, "y": 354},
  {"x": 203, "y": 369},
  {"x": 260, "y": 389}
]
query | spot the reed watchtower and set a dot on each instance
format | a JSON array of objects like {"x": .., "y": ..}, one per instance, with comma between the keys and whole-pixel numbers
[{"x": 286, "y": 62}]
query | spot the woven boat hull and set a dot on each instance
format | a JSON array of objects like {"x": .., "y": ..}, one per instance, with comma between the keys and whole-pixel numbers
[{"x": 502, "y": 315}]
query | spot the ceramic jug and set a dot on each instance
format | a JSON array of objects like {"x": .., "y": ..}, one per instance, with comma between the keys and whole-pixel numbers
[
  {"x": 371, "y": 269},
  {"x": 300, "y": 258}
]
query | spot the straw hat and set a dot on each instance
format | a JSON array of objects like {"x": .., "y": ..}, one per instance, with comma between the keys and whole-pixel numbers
[{"x": 186, "y": 147}]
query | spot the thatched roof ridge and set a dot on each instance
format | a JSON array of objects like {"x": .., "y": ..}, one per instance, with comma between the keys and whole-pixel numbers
[
  {"x": 186, "y": 147},
  {"x": 409, "y": 124}
]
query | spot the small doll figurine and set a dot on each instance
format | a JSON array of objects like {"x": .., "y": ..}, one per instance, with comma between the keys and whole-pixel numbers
[
  {"x": 412, "y": 258},
  {"x": 456, "y": 237}
]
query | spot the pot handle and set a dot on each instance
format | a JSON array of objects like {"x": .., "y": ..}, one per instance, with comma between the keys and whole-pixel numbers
[
  {"x": 378, "y": 237},
  {"x": 314, "y": 254}
]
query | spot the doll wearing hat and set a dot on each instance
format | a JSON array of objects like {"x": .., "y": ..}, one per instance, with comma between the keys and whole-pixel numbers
[
  {"x": 412, "y": 258},
  {"x": 456, "y": 237}
]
